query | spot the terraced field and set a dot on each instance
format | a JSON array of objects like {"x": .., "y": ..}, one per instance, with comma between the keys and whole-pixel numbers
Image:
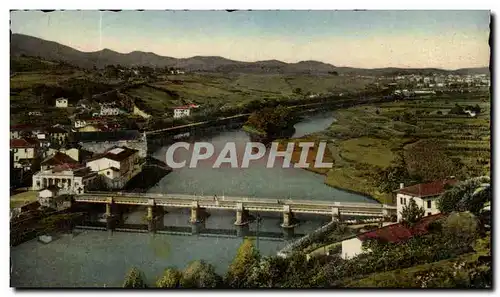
[{"x": 366, "y": 138}]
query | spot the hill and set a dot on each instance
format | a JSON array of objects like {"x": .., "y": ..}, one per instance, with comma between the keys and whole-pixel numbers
[{"x": 49, "y": 50}]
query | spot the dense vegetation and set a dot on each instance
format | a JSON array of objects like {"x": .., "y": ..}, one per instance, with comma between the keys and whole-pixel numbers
[
  {"x": 451, "y": 238},
  {"x": 270, "y": 121},
  {"x": 378, "y": 146}
]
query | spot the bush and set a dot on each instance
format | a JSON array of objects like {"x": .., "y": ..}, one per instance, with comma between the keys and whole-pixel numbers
[
  {"x": 199, "y": 274},
  {"x": 169, "y": 279},
  {"x": 461, "y": 226},
  {"x": 134, "y": 279},
  {"x": 246, "y": 257}
]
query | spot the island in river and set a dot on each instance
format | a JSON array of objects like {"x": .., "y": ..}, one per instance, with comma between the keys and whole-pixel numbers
[{"x": 270, "y": 123}]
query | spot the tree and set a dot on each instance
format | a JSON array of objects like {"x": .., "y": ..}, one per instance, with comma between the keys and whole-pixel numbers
[
  {"x": 412, "y": 213},
  {"x": 469, "y": 195},
  {"x": 169, "y": 279},
  {"x": 388, "y": 179},
  {"x": 246, "y": 257},
  {"x": 199, "y": 274},
  {"x": 267, "y": 273},
  {"x": 297, "y": 91},
  {"x": 461, "y": 226},
  {"x": 426, "y": 161},
  {"x": 134, "y": 279}
]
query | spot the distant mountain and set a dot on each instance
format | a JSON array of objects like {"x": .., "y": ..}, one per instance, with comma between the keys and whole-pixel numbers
[{"x": 49, "y": 50}]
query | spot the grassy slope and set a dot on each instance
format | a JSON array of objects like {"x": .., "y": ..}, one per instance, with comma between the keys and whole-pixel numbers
[
  {"x": 23, "y": 198},
  {"x": 238, "y": 89}
]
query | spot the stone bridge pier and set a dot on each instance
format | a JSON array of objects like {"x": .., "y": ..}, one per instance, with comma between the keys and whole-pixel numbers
[
  {"x": 288, "y": 218},
  {"x": 198, "y": 214},
  {"x": 242, "y": 215},
  {"x": 336, "y": 214},
  {"x": 110, "y": 215},
  {"x": 154, "y": 216}
]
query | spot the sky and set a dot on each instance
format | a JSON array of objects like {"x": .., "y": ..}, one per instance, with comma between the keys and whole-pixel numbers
[{"x": 366, "y": 39}]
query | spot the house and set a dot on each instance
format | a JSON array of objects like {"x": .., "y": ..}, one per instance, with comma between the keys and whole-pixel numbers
[
  {"x": 79, "y": 123},
  {"x": 61, "y": 102},
  {"x": 470, "y": 113},
  {"x": 91, "y": 128},
  {"x": 35, "y": 113},
  {"x": 110, "y": 110},
  {"x": 425, "y": 195},
  {"x": 118, "y": 165},
  {"x": 100, "y": 142},
  {"x": 56, "y": 160},
  {"x": 22, "y": 131},
  {"x": 49, "y": 197},
  {"x": 57, "y": 135},
  {"x": 394, "y": 233},
  {"x": 70, "y": 178},
  {"x": 79, "y": 155},
  {"x": 24, "y": 151},
  {"x": 184, "y": 111}
]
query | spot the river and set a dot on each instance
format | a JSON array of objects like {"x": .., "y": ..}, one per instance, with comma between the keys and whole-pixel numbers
[{"x": 102, "y": 258}]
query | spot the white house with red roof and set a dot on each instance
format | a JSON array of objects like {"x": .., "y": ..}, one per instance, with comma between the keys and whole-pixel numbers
[
  {"x": 394, "y": 233},
  {"x": 425, "y": 195},
  {"x": 184, "y": 111},
  {"x": 70, "y": 178},
  {"x": 118, "y": 165},
  {"x": 24, "y": 152}
]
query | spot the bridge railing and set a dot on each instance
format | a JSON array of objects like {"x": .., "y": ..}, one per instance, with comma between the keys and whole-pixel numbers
[{"x": 300, "y": 204}]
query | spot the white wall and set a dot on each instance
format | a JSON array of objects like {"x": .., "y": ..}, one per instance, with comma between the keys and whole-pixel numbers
[
  {"x": 422, "y": 202},
  {"x": 179, "y": 113},
  {"x": 103, "y": 163},
  {"x": 351, "y": 248},
  {"x": 62, "y": 103},
  {"x": 22, "y": 153}
]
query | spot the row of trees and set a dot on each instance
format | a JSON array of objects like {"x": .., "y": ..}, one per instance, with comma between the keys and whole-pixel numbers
[{"x": 448, "y": 238}]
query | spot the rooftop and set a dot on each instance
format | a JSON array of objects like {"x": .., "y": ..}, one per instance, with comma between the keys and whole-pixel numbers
[
  {"x": 434, "y": 188},
  {"x": 117, "y": 154},
  {"x": 399, "y": 232},
  {"x": 23, "y": 143},
  {"x": 107, "y": 136},
  {"x": 58, "y": 159},
  {"x": 187, "y": 106}
]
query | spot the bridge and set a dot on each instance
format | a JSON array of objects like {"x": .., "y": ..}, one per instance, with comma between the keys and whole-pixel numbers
[{"x": 156, "y": 203}]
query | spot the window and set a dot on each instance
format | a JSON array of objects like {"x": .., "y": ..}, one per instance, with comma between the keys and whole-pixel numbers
[
  {"x": 107, "y": 173},
  {"x": 429, "y": 204},
  {"x": 400, "y": 200},
  {"x": 429, "y": 213}
]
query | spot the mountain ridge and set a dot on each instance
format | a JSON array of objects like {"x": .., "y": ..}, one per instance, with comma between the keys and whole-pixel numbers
[{"x": 33, "y": 46}]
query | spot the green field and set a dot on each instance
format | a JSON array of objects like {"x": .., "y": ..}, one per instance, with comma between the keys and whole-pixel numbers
[
  {"x": 23, "y": 198},
  {"x": 27, "y": 80},
  {"x": 369, "y": 137}
]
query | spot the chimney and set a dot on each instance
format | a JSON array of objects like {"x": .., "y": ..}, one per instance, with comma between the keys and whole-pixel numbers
[{"x": 401, "y": 185}]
